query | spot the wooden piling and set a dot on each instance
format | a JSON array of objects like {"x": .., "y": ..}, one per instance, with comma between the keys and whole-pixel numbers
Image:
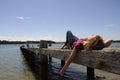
[
  {"x": 44, "y": 62},
  {"x": 50, "y": 59},
  {"x": 90, "y": 73},
  {"x": 62, "y": 63}
]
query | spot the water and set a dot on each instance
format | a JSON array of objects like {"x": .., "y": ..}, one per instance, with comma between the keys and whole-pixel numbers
[
  {"x": 115, "y": 44},
  {"x": 14, "y": 67}
]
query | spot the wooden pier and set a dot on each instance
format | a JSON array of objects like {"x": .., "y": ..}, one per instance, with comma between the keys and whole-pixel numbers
[{"x": 107, "y": 59}]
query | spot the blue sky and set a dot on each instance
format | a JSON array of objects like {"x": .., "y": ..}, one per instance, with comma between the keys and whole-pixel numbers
[{"x": 50, "y": 19}]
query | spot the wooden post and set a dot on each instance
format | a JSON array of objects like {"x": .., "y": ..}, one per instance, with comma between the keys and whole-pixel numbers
[
  {"x": 62, "y": 63},
  {"x": 90, "y": 73},
  {"x": 50, "y": 59},
  {"x": 44, "y": 62}
]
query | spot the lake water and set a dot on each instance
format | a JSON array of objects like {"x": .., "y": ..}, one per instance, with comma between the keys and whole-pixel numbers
[{"x": 13, "y": 66}]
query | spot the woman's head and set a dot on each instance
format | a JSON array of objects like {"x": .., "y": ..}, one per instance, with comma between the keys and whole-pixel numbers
[{"x": 95, "y": 42}]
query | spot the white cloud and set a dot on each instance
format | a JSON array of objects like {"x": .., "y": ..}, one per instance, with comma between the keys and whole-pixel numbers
[{"x": 20, "y": 18}]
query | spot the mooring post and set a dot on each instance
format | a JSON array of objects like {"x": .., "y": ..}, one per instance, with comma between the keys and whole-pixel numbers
[
  {"x": 62, "y": 63},
  {"x": 50, "y": 59},
  {"x": 44, "y": 62},
  {"x": 90, "y": 73}
]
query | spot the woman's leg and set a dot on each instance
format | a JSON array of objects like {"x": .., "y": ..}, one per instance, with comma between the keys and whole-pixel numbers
[
  {"x": 68, "y": 61},
  {"x": 66, "y": 44},
  {"x": 70, "y": 38}
]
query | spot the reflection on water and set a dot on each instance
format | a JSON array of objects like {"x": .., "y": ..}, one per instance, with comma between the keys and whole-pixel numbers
[{"x": 14, "y": 67}]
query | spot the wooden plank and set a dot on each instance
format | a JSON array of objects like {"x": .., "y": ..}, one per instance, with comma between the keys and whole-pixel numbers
[{"x": 107, "y": 60}]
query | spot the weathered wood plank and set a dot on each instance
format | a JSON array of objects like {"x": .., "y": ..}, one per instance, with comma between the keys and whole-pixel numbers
[{"x": 107, "y": 60}]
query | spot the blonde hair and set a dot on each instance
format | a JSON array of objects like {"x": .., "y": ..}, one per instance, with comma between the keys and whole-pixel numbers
[{"x": 95, "y": 43}]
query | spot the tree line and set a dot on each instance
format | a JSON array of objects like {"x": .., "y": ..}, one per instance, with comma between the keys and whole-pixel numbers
[{"x": 22, "y": 42}]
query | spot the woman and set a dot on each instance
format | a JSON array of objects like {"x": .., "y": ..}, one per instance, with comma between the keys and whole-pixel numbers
[{"x": 94, "y": 42}]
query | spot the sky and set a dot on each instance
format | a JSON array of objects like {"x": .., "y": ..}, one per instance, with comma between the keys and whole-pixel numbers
[{"x": 22, "y": 20}]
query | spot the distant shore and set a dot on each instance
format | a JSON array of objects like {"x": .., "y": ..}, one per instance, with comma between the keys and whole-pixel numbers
[
  {"x": 25, "y": 42},
  {"x": 22, "y": 42}
]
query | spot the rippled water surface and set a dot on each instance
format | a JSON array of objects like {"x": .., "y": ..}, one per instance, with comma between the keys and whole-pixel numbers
[{"x": 12, "y": 64}]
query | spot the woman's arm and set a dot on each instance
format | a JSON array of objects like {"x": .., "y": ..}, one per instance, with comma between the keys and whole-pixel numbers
[
  {"x": 108, "y": 42},
  {"x": 68, "y": 61}
]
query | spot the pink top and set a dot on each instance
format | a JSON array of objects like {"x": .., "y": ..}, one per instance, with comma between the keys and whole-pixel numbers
[{"x": 79, "y": 43}]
